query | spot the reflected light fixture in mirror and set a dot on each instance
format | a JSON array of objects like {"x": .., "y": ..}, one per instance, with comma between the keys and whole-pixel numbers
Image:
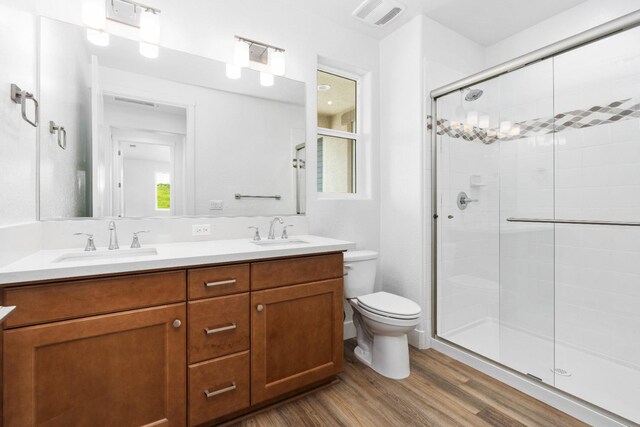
[
  {"x": 233, "y": 71},
  {"x": 94, "y": 18},
  {"x": 266, "y": 79},
  {"x": 149, "y": 34}
]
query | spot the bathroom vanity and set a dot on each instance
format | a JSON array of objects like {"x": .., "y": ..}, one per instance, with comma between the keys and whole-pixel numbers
[{"x": 196, "y": 344}]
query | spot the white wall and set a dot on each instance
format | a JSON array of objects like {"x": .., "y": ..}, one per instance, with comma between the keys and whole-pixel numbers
[
  {"x": 412, "y": 64},
  {"x": 17, "y": 138},
  {"x": 570, "y": 22}
]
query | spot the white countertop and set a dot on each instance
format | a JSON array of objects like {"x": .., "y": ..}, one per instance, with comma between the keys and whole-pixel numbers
[{"x": 42, "y": 266}]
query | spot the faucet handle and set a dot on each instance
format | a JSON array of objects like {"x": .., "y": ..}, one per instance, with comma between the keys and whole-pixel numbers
[
  {"x": 256, "y": 235},
  {"x": 285, "y": 235},
  {"x": 90, "y": 244},
  {"x": 135, "y": 244}
]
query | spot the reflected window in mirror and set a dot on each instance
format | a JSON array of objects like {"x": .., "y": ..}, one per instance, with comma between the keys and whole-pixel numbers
[{"x": 338, "y": 132}]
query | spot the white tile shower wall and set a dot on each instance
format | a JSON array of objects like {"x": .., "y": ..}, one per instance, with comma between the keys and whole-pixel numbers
[{"x": 208, "y": 28}]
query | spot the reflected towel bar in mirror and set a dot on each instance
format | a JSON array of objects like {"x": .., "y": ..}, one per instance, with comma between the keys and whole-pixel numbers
[
  {"x": 574, "y": 221},
  {"x": 246, "y": 196}
]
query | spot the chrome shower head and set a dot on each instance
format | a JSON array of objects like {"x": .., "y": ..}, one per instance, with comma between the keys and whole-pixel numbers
[{"x": 473, "y": 94}]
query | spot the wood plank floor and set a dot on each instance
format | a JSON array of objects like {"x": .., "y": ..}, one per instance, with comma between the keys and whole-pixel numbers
[{"x": 439, "y": 392}]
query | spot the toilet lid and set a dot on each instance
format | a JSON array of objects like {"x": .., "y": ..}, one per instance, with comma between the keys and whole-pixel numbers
[{"x": 390, "y": 305}]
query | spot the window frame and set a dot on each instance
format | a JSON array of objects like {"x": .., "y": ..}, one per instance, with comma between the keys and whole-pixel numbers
[{"x": 356, "y": 136}]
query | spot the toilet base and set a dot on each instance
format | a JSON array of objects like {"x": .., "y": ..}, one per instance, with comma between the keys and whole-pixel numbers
[{"x": 391, "y": 356}]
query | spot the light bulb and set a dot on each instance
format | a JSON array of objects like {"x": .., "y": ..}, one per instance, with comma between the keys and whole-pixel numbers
[
  {"x": 266, "y": 79},
  {"x": 149, "y": 50},
  {"x": 241, "y": 55},
  {"x": 97, "y": 37},
  {"x": 484, "y": 122},
  {"x": 505, "y": 128},
  {"x": 233, "y": 71},
  {"x": 150, "y": 27},
  {"x": 277, "y": 63}
]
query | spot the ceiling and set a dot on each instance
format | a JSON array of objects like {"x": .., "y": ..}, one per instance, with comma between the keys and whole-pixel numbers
[
  {"x": 485, "y": 21},
  {"x": 339, "y": 96}
]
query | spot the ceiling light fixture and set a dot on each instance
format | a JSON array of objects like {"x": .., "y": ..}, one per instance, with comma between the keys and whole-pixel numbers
[
  {"x": 149, "y": 33},
  {"x": 330, "y": 102},
  {"x": 324, "y": 87}
]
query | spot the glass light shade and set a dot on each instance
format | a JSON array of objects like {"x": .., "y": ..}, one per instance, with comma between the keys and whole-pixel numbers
[
  {"x": 515, "y": 131},
  {"x": 150, "y": 27},
  {"x": 241, "y": 54},
  {"x": 266, "y": 79},
  {"x": 149, "y": 50},
  {"x": 94, "y": 14},
  {"x": 472, "y": 118},
  {"x": 97, "y": 37},
  {"x": 484, "y": 122},
  {"x": 277, "y": 63},
  {"x": 233, "y": 71}
]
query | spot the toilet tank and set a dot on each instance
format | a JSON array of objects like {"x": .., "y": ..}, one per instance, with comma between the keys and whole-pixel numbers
[{"x": 360, "y": 273}]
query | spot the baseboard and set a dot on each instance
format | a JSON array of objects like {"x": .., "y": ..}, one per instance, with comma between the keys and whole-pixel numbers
[
  {"x": 349, "y": 330},
  {"x": 419, "y": 339}
]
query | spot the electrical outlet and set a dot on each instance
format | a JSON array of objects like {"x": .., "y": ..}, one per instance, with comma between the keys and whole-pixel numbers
[
  {"x": 201, "y": 230},
  {"x": 215, "y": 205}
]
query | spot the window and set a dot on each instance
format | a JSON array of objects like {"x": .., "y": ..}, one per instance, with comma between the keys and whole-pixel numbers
[
  {"x": 163, "y": 191},
  {"x": 338, "y": 132}
]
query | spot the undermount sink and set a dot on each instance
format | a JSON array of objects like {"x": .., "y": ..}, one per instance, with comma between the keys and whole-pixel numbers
[
  {"x": 105, "y": 254},
  {"x": 278, "y": 242}
]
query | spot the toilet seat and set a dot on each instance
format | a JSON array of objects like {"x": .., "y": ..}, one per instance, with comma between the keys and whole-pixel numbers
[{"x": 389, "y": 305}]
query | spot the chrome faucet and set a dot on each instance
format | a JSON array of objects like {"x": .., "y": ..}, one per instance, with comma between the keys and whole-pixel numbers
[
  {"x": 113, "y": 236},
  {"x": 272, "y": 231}
]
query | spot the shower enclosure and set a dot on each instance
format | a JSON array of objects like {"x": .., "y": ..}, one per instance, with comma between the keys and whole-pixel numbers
[{"x": 537, "y": 220}]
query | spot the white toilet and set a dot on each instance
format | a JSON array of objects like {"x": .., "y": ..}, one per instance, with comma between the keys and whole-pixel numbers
[{"x": 382, "y": 320}]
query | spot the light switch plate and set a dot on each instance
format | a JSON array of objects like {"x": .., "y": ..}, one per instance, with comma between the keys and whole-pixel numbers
[
  {"x": 201, "y": 229},
  {"x": 215, "y": 205}
]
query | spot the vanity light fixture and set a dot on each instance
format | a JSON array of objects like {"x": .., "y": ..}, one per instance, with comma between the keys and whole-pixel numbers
[
  {"x": 268, "y": 59},
  {"x": 95, "y": 19},
  {"x": 95, "y": 14}
]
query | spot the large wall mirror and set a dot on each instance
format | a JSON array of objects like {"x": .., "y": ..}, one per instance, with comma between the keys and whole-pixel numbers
[{"x": 126, "y": 136}]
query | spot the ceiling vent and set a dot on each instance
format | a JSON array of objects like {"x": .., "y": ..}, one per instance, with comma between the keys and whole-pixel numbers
[{"x": 378, "y": 12}]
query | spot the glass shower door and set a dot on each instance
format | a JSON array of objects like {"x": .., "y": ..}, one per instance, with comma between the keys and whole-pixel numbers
[{"x": 597, "y": 314}]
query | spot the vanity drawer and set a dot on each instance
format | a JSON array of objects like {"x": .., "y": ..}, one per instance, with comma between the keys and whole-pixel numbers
[
  {"x": 68, "y": 300},
  {"x": 272, "y": 274},
  {"x": 216, "y": 281},
  {"x": 218, "y": 326},
  {"x": 218, "y": 388}
]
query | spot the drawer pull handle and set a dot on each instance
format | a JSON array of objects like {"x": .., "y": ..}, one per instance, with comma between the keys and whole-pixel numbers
[
  {"x": 220, "y": 329},
  {"x": 220, "y": 283},
  {"x": 209, "y": 394}
]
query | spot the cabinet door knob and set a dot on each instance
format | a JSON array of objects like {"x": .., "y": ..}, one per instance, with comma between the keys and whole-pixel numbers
[
  {"x": 259, "y": 307},
  {"x": 177, "y": 323}
]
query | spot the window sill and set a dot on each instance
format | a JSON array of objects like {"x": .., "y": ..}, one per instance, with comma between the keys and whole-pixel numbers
[{"x": 342, "y": 196}]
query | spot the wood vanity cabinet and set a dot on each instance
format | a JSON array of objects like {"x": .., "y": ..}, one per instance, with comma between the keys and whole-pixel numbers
[{"x": 194, "y": 346}]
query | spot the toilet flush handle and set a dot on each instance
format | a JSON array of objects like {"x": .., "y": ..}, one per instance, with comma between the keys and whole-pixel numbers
[{"x": 346, "y": 268}]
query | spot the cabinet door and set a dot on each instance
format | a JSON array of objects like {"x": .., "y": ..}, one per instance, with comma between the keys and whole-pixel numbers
[
  {"x": 296, "y": 337},
  {"x": 124, "y": 369}
]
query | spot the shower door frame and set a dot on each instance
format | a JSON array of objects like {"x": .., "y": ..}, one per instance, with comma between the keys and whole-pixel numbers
[{"x": 602, "y": 31}]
